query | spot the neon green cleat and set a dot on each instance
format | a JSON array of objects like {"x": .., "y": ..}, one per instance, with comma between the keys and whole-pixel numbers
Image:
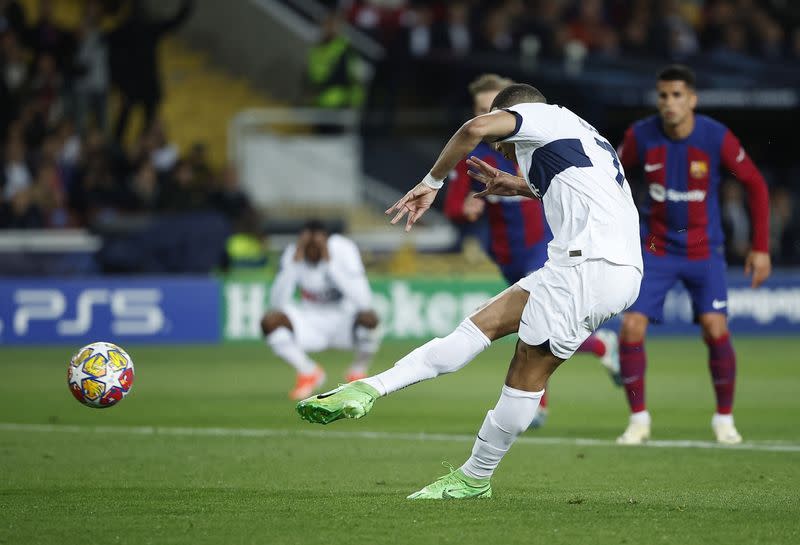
[
  {"x": 352, "y": 400},
  {"x": 455, "y": 485}
]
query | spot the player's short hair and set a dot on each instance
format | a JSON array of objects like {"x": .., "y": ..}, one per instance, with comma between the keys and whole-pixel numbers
[
  {"x": 677, "y": 72},
  {"x": 517, "y": 93},
  {"x": 488, "y": 82}
]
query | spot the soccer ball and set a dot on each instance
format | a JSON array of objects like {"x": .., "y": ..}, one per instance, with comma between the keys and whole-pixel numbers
[{"x": 100, "y": 374}]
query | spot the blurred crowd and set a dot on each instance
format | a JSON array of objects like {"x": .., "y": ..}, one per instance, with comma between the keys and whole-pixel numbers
[
  {"x": 65, "y": 162},
  {"x": 443, "y": 43},
  {"x": 666, "y": 29}
]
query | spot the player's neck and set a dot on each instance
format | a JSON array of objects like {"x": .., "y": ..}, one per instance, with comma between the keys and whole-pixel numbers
[{"x": 681, "y": 130}]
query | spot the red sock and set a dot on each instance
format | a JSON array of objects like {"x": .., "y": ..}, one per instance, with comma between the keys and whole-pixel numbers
[
  {"x": 633, "y": 362},
  {"x": 543, "y": 401},
  {"x": 593, "y": 345},
  {"x": 722, "y": 364}
]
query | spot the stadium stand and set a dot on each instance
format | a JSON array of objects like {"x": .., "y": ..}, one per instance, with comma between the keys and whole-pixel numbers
[{"x": 65, "y": 169}]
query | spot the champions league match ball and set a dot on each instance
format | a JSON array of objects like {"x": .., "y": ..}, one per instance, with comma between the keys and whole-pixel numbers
[{"x": 100, "y": 374}]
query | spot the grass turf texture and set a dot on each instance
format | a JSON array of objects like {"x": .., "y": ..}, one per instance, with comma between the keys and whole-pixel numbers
[{"x": 308, "y": 484}]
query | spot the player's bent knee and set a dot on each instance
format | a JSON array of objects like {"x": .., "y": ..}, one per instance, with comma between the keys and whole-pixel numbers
[
  {"x": 531, "y": 366},
  {"x": 634, "y": 327},
  {"x": 529, "y": 353},
  {"x": 273, "y": 320},
  {"x": 368, "y": 319},
  {"x": 714, "y": 325}
]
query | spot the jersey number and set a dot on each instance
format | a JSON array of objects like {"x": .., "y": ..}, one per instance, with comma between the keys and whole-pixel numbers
[
  {"x": 610, "y": 149},
  {"x": 559, "y": 155}
]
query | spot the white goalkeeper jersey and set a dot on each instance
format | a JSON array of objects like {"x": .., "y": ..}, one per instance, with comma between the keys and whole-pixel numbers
[
  {"x": 339, "y": 281},
  {"x": 577, "y": 174}
]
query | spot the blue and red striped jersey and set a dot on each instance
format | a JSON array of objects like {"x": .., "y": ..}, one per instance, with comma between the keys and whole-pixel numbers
[
  {"x": 516, "y": 224},
  {"x": 681, "y": 215}
]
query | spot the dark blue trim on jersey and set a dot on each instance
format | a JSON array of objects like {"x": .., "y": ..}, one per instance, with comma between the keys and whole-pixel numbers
[
  {"x": 518, "y": 118},
  {"x": 554, "y": 158}
]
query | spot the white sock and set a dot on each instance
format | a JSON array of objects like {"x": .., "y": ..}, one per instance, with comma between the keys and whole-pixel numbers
[
  {"x": 285, "y": 346},
  {"x": 366, "y": 344},
  {"x": 436, "y": 357},
  {"x": 511, "y": 416},
  {"x": 641, "y": 417},
  {"x": 722, "y": 419}
]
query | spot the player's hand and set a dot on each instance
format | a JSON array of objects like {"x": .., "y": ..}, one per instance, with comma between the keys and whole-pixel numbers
[
  {"x": 496, "y": 181},
  {"x": 321, "y": 240},
  {"x": 473, "y": 208},
  {"x": 759, "y": 265},
  {"x": 302, "y": 244},
  {"x": 414, "y": 203}
]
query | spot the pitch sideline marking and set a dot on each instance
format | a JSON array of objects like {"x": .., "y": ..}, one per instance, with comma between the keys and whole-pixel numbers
[{"x": 392, "y": 436}]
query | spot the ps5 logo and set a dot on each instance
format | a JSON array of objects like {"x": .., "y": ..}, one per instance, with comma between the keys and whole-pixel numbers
[{"x": 134, "y": 311}]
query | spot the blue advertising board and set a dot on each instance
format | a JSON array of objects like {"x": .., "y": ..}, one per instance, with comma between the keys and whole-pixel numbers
[
  {"x": 124, "y": 310},
  {"x": 771, "y": 309},
  {"x": 206, "y": 310}
]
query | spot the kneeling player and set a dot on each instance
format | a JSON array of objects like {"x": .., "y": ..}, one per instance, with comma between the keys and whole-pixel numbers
[{"x": 334, "y": 310}]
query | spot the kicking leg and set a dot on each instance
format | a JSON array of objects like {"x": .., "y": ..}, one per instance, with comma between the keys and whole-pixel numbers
[{"x": 498, "y": 318}]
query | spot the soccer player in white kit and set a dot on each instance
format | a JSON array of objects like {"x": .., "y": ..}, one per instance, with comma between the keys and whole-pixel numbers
[
  {"x": 334, "y": 310},
  {"x": 593, "y": 273}
]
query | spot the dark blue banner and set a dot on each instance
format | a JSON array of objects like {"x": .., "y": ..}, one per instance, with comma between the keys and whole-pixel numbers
[{"x": 119, "y": 310}]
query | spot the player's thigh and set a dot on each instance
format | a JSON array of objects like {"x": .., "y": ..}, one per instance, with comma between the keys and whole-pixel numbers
[
  {"x": 660, "y": 274},
  {"x": 312, "y": 327},
  {"x": 550, "y": 315},
  {"x": 500, "y": 315},
  {"x": 707, "y": 283}
]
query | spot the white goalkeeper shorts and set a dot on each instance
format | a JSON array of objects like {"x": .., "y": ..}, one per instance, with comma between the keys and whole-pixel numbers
[
  {"x": 322, "y": 327},
  {"x": 567, "y": 304}
]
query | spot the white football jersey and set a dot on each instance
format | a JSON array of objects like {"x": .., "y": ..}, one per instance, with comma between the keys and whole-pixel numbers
[
  {"x": 577, "y": 174},
  {"x": 338, "y": 281}
]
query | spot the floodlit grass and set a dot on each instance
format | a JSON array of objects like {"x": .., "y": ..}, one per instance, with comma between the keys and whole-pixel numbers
[{"x": 70, "y": 474}]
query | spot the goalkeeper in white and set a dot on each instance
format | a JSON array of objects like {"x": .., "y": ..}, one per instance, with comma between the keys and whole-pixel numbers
[{"x": 334, "y": 310}]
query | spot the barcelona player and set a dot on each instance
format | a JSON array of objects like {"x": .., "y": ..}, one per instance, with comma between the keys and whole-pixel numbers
[
  {"x": 681, "y": 156},
  {"x": 518, "y": 232}
]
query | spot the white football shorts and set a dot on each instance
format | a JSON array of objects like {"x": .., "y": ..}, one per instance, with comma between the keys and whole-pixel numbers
[
  {"x": 321, "y": 327},
  {"x": 567, "y": 304}
]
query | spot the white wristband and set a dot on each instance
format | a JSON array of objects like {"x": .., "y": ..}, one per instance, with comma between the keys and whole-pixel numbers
[{"x": 432, "y": 182}]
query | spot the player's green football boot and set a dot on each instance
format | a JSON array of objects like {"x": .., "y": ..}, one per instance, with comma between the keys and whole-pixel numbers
[
  {"x": 352, "y": 400},
  {"x": 455, "y": 485}
]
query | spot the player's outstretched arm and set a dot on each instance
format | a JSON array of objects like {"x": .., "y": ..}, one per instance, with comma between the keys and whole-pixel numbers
[
  {"x": 496, "y": 181},
  {"x": 490, "y": 127}
]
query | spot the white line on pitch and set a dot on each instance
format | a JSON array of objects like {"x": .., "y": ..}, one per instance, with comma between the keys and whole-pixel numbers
[{"x": 389, "y": 436}]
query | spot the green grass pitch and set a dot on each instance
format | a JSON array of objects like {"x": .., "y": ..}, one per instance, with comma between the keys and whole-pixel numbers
[{"x": 208, "y": 449}]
